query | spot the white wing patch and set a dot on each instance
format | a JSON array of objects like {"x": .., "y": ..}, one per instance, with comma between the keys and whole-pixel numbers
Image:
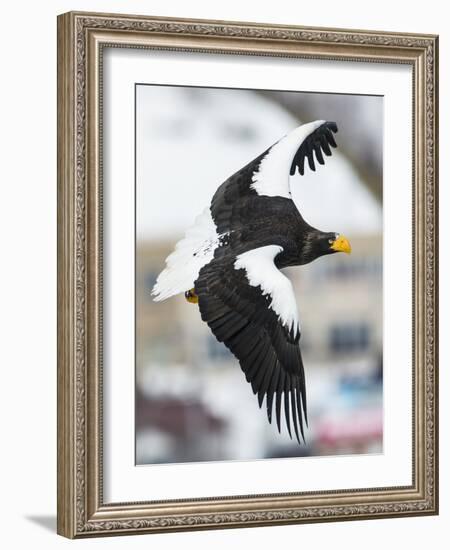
[
  {"x": 191, "y": 253},
  {"x": 261, "y": 271},
  {"x": 272, "y": 177}
]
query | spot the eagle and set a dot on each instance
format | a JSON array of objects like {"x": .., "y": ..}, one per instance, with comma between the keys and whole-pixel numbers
[{"x": 229, "y": 263}]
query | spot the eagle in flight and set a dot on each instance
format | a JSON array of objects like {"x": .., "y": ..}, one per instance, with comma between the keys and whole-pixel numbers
[{"x": 229, "y": 264}]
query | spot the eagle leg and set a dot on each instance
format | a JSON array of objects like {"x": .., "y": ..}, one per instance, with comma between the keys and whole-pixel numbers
[{"x": 191, "y": 296}]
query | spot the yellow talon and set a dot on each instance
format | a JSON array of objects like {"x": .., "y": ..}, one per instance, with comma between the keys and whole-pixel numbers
[{"x": 191, "y": 296}]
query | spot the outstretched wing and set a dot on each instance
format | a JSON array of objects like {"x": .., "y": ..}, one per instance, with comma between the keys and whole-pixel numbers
[
  {"x": 268, "y": 174},
  {"x": 250, "y": 306}
]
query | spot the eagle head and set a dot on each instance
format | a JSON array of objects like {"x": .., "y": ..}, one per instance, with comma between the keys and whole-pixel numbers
[{"x": 319, "y": 244}]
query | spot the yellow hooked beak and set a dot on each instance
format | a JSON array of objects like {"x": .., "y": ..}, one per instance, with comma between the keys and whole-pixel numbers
[{"x": 341, "y": 244}]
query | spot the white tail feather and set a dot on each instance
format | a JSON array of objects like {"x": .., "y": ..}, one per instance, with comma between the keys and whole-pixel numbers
[{"x": 191, "y": 253}]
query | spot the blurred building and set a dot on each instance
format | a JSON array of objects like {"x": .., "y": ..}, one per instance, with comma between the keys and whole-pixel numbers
[
  {"x": 340, "y": 302},
  {"x": 183, "y": 373}
]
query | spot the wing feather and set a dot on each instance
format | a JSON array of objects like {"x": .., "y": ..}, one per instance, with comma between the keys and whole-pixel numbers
[
  {"x": 287, "y": 415},
  {"x": 239, "y": 314}
]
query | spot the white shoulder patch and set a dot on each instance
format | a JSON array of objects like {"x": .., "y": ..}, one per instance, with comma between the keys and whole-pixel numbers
[
  {"x": 261, "y": 271},
  {"x": 272, "y": 177},
  {"x": 191, "y": 253}
]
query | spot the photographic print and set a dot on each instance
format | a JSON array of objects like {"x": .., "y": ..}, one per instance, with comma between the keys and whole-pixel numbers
[{"x": 259, "y": 274}]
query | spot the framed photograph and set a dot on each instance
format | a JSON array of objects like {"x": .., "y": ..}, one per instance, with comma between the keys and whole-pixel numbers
[{"x": 247, "y": 274}]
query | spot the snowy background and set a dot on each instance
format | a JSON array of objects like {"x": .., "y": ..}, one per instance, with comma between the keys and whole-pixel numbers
[{"x": 192, "y": 400}]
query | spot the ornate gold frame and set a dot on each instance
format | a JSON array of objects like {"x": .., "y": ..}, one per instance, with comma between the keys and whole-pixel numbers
[{"x": 81, "y": 37}]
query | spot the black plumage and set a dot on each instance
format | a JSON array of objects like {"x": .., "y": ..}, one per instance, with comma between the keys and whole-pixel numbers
[
  {"x": 238, "y": 315},
  {"x": 247, "y": 303}
]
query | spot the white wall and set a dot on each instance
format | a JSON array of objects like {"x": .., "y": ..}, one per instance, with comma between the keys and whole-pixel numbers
[{"x": 28, "y": 267}]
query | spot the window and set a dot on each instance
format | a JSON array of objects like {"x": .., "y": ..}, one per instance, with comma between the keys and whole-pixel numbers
[
  {"x": 349, "y": 337},
  {"x": 217, "y": 351}
]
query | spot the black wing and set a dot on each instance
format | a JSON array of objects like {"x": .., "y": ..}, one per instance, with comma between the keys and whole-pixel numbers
[
  {"x": 240, "y": 316},
  {"x": 232, "y": 196}
]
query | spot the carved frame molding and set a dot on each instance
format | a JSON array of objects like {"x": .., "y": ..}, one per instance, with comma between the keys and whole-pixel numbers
[{"x": 81, "y": 39}]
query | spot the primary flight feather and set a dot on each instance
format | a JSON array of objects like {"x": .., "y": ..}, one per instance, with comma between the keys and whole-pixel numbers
[{"x": 229, "y": 263}]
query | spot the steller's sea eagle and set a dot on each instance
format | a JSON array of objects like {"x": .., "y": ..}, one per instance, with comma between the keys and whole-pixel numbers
[{"x": 229, "y": 263}]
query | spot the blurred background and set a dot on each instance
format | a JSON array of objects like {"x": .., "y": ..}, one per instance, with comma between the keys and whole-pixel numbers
[{"x": 192, "y": 400}]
